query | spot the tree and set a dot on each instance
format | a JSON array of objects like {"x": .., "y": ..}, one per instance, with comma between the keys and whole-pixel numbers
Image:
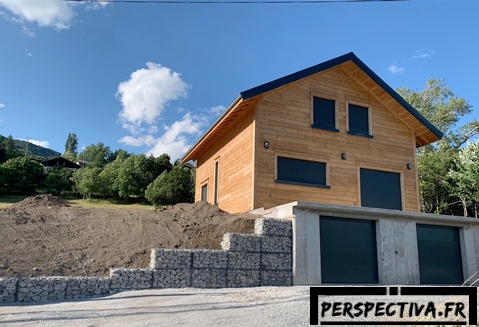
[
  {"x": 438, "y": 103},
  {"x": 59, "y": 180},
  {"x": 71, "y": 145},
  {"x": 87, "y": 182},
  {"x": 171, "y": 187},
  {"x": 465, "y": 177},
  {"x": 22, "y": 175},
  {"x": 139, "y": 171},
  {"x": 96, "y": 154}
]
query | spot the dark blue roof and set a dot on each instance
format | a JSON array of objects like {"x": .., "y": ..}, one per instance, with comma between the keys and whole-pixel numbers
[{"x": 332, "y": 63}]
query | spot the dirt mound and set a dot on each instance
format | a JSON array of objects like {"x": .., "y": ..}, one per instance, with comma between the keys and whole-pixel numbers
[
  {"x": 44, "y": 200},
  {"x": 42, "y": 236}
]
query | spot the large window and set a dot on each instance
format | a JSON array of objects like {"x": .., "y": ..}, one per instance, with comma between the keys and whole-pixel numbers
[
  {"x": 358, "y": 120},
  {"x": 324, "y": 114},
  {"x": 301, "y": 172},
  {"x": 380, "y": 189}
]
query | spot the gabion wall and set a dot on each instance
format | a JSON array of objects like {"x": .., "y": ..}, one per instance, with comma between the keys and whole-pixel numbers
[{"x": 247, "y": 260}]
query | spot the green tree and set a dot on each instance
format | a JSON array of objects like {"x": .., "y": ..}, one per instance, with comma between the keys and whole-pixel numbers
[
  {"x": 109, "y": 178},
  {"x": 438, "y": 103},
  {"x": 171, "y": 187},
  {"x": 465, "y": 178},
  {"x": 59, "y": 180},
  {"x": 96, "y": 154},
  {"x": 139, "y": 171},
  {"x": 22, "y": 175},
  {"x": 71, "y": 145},
  {"x": 87, "y": 182}
]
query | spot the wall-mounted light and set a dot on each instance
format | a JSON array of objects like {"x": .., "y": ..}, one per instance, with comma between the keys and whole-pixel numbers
[
  {"x": 266, "y": 144},
  {"x": 409, "y": 166},
  {"x": 343, "y": 156}
]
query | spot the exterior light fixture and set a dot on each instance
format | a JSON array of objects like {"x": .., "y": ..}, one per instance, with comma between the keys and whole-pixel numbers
[
  {"x": 266, "y": 144},
  {"x": 343, "y": 156},
  {"x": 409, "y": 166}
]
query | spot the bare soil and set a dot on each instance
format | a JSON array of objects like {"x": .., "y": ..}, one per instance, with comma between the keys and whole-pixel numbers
[{"x": 42, "y": 236}]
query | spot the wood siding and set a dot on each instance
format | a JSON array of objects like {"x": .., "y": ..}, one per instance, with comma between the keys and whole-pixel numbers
[
  {"x": 234, "y": 153},
  {"x": 283, "y": 118}
]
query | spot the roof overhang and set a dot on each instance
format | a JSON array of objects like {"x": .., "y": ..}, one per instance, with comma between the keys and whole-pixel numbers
[{"x": 424, "y": 131}]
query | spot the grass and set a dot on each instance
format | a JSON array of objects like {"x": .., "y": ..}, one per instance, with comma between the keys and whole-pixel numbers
[{"x": 8, "y": 200}]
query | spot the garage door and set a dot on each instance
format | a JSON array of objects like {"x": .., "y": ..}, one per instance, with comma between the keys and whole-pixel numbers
[
  {"x": 380, "y": 189},
  {"x": 439, "y": 255},
  {"x": 348, "y": 250}
]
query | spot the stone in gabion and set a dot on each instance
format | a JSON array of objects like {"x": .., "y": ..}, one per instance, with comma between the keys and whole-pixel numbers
[
  {"x": 273, "y": 227},
  {"x": 278, "y": 244},
  {"x": 210, "y": 259},
  {"x": 8, "y": 289},
  {"x": 171, "y": 278},
  {"x": 208, "y": 278},
  {"x": 41, "y": 289},
  {"x": 276, "y": 261},
  {"x": 243, "y": 278},
  {"x": 86, "y": 287},
  {"x": 244, "y": 260},
  {"x": 276, "y": 278},
  {"x": 241, "y": 242},
  {"x": 130, "y": 279},
  {"x": 170, "y": 259}
]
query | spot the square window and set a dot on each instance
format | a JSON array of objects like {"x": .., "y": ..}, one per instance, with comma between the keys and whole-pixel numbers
[
  {"x": 358, "y": 120},
  {"x": 324, "y": 114},
  {"x": 301, "y": 172}
]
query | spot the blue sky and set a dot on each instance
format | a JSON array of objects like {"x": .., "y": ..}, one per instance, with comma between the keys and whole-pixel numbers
[{"x": 151, "y": 78}]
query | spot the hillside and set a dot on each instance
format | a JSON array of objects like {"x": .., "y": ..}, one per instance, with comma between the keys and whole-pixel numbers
[{"x": 33, "y": 149}]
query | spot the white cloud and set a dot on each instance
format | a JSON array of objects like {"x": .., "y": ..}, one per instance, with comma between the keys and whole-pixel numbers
[
  {"x": 395, "y": 69},
  {"x": 148, "y": 91},
  {"x": 52, "y": 13},
  {"x": 148, "y": 140},
  {"x": 218, "y": 110},
  {"x": 422, "y": 54},
  {"x": 57, "y": 14},
  {"x": 174, "y": 140},
  {"x": 152, "y": 129},
  {"x": 1, "y": 120},
  {"x": 2, "y": 105},
  {"x": 44, "y": 144}
]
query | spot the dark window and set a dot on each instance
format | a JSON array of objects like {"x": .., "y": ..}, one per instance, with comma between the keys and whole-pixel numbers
[
  {"x": 380, "y": 189},
  {"x": 358, "y": 120},
  {"x": 348, "y": 250},
  {"x": 439, "y": 253},
  {"x": 324, "y": 114},
  {"x": 204, "y": 193},
  {"x": 301, "y": 172},
  {"x": 217, "y": 171}
]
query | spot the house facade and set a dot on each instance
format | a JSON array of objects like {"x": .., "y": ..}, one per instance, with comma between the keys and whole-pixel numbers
[{"x": 334, "y": 133}]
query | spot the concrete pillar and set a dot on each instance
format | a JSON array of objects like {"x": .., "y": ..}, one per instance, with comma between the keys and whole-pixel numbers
[
  {"x": 306, "y": 248},
  {"x": 468, "y": 251}
]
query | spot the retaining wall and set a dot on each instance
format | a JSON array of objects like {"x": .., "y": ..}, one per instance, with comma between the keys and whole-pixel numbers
[{"x": 246, "y": 260}]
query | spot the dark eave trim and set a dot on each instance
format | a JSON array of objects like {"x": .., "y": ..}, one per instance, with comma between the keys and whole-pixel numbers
[{"x": 330, "y": 64}]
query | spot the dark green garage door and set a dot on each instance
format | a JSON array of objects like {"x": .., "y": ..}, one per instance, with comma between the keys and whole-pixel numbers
[
  {"x": 348, "y": 250},
  {"x": 439, "y": 255}
]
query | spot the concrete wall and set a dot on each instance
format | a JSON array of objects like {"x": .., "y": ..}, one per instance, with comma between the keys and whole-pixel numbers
[{"x": 398, "y": 261}]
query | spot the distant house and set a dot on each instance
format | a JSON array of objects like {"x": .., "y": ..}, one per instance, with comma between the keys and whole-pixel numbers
[
  {"x": 334, "y": 133},
  {"x": 59, "y": 162}
]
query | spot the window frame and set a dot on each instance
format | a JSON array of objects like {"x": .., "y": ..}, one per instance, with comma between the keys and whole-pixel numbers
[
  {"x": 369, "y": 134},
  {"x": 330, "y": 98},
  {"x": 297, "y": 156}
]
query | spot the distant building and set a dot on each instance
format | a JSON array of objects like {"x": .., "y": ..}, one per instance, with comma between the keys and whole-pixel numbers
[{"x": 59, "y": 162}]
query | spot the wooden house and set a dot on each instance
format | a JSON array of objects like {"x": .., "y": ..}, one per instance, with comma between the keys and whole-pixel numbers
[
  {"x": 59, "y": 162},
  {"x": 334, "y": 133}
]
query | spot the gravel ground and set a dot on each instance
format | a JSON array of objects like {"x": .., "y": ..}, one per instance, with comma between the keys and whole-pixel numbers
[{"x": 261, "y": 306}]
